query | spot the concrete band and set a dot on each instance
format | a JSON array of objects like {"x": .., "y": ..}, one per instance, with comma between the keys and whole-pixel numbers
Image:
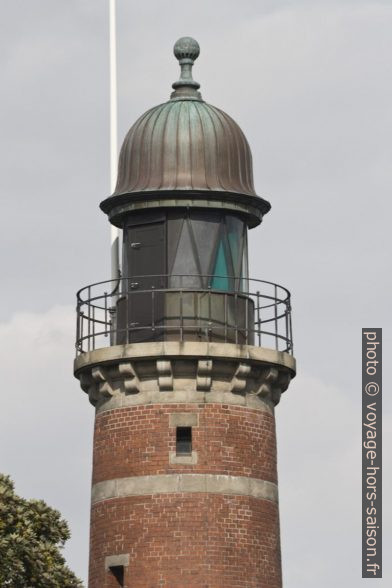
[
  {"x": 184, "y": 483},
  {"x": 173, "y": 349}
]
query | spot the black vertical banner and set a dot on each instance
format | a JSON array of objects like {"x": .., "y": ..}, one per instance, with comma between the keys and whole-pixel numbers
[{"x": 371, "y": 453}]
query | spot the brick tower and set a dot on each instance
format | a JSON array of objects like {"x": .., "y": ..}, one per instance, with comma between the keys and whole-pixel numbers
[{"x": 184, "y": 358}]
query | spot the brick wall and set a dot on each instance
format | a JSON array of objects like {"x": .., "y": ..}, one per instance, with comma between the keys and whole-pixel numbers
[
  {"x": 232, "y": 440},
  {"x": 195, "y": 539}
]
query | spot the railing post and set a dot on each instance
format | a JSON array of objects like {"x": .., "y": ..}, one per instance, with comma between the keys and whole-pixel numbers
[
  {"x": 247, "y": 319},
  {"x": 81, "y": 330},
  {"x": 106, "y": 314},
  {"x": 226, "y": 317},
  {"x": 181, "y": 316},
  {"x": 153, "y": 309},
  {"x": 258, "y": 317},
  {"x": 128, "y": 295},
  {"x": 276, "y": 317},
  {"x": 291, "y": 332},
  {"x": 286, "y": 316},
  {"x": 89, "y": 318},
  {"x": 93, "y": 335},
  {"x": 77, "y": 327},
  {"x": 236, "y": 317},
  {"x": 209, "y": 314}
]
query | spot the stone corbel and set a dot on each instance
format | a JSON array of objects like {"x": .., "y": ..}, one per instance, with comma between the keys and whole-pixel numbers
[
  {"x": 97, "y": 384},
  {"x": 238, "y": 383},
  {"x": 203, "y": 376},
  {"x": 165, "y": 375},
  {"x": 103, "y": 382},
  {"x": 88, "y": 385},
  {"x": 130, "y": 379},
  {"x": 273, "y": 383}
]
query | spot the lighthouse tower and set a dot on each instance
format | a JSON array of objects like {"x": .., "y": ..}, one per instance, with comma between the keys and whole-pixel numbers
[{"x": 184, "y": 358}]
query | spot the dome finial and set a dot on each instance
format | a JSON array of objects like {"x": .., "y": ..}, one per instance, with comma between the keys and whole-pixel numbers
[{"x": 186, "y": 50}]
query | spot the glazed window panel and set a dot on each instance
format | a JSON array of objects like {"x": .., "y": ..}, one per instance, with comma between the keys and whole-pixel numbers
[
  {"x": 205, "y": 231},
  {"x": 221, "y": 281},
  {"x": 245, "y": 267},
  {"x": 235, "y": 232},
  {"x": 230, "y": 255},
  {"x": 207, "y": 243},
  {"x": 185, "y": 264},
  {"x": 174, "y": 229}
]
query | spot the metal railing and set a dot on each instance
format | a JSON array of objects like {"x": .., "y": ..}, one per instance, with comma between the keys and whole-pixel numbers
[{"x": 183, "y": 308}]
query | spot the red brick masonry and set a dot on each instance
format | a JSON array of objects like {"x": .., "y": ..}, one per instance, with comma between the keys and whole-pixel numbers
[
  {"x": 186, "y": 539},
  {"x": 229, "y": 439}
]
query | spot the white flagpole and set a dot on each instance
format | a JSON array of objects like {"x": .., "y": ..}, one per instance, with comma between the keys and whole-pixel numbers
[{"x": 115, "y": 232}]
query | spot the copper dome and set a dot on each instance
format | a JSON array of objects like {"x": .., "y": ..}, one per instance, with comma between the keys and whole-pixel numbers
[{"x": 185, "y": 145}]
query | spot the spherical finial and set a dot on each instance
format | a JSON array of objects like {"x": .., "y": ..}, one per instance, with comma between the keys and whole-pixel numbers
[
  {"x": 186, "y": 51},
  {"x": 186, "y": 48}
]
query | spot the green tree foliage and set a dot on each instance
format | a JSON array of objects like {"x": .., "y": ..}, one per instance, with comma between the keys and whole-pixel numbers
[{"x": 31, "y": 538}]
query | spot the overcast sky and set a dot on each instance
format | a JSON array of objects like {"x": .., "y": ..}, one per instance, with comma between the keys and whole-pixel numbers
[{"x": 309, "y": 82}]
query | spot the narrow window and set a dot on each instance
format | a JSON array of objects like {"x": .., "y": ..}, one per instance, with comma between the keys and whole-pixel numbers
[
  {"x": 118, "y": 573},
  {"x": 184, "y": 440}
]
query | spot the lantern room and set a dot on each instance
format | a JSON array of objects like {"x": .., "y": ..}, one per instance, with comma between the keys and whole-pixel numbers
[{"x": 185, "y": 200}]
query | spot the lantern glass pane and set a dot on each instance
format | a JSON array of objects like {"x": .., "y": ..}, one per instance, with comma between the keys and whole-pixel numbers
[
  {"x": 235, "y": 229},
  {"x": 220, "y": 281},
  {"x": 205, "y": 231},
  {"x": 185, "y": 264}
]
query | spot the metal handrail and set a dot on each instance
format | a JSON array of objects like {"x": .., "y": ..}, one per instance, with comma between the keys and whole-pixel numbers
[
  {"x": 261, "y": 317},
  {"x": 202, "y": 276}
]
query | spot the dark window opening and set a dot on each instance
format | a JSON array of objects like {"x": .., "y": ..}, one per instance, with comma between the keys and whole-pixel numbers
[
  {"x": 118, "y": 573},
  {"x": 184, "y": 440}
]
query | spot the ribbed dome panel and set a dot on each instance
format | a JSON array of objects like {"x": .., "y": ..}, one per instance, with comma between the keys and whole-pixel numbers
[{"x": 185, "y": 145}]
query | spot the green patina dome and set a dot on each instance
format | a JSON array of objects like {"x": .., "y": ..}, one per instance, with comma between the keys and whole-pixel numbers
[{"x": 185, "y": 146}]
